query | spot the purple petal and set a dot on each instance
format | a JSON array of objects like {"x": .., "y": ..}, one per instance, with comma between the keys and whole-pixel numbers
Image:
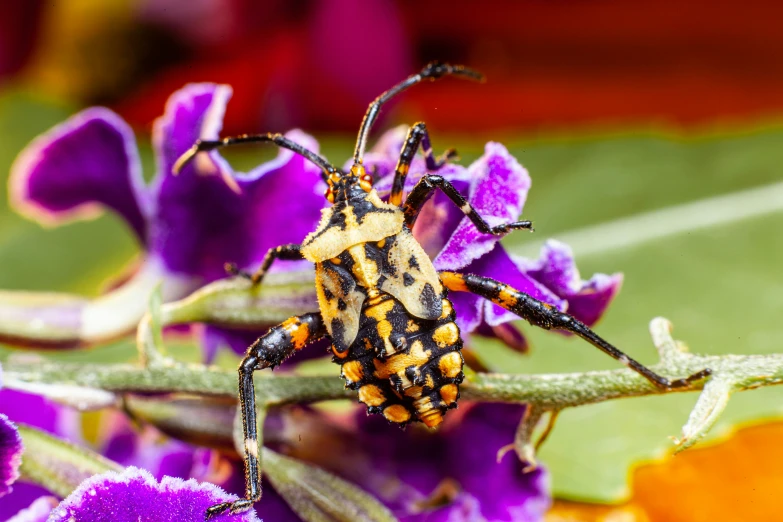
[
  {"x": 23, "y": 495},
  {"x": 506, "y": 332},
  {"x": 498, "y": 191},
  {"x": 135, "y": 495},
  {"x": 38, "y": 511},
  {"x": 86, "y": 162},
  {"x": 472, "y": 310},
  {"x": 464, "y": 452},
  {"x": 39, "y": 412},
  {"x": 10, "y": 454},
  {"x": 440, "y": 217},
  {"x": 556, "y": 269},
  {"x": 502, "y": 490},
  {"x": 207, "y": 216},
  {"x": 129, "y": 445}
]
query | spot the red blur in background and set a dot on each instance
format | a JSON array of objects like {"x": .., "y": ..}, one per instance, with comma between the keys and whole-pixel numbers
[{"x": 317, "y": 64}]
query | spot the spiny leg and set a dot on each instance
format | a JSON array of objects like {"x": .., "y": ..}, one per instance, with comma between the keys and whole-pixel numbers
[
  {"x": 424, "y": 189},
  {"x": 417, "y": 135},
  {"x": 288, "y": 252},
  {"x": 548, "y": 317},
  {"x": 277, "y": 139},
  {"x": 268, "y": 351},
  {"x": 432, "y": 71}
]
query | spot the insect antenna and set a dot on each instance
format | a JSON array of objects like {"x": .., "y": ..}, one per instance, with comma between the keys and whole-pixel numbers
[
  {"x": 278, "y": 139},
  {"x": 432, "y": 71}
]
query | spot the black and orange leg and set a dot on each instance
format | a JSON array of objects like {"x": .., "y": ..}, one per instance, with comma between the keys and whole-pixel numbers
[
  {"x": 428, "y": 184},
  {"x": 548, "y": 317},
  {"x": 268, "y": 351},
  {"x": 417, "y": 135},
  {"x": 278, "y": 139},
  {"x": 289, "y": 252}
]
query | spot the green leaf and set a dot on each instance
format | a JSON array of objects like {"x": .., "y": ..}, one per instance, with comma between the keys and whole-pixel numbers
[
  {"x": 317, "y": 495},
  {"x": 720, "y": 287},
  {"x": 58, "y": 465}
]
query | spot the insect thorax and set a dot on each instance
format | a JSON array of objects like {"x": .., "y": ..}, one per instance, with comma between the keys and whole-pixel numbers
[{"x": 392, "y": 328}]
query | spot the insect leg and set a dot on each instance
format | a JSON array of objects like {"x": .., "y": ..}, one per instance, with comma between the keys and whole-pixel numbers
[
  {"x": 288, "y": 252},
  {"x": 417, "y": 135},
  {"x": 277, "y": 139},
  {"x": 432, "y": 71},
  {"x": 424, "y": 189},
  {"x": 548, "y": 317},
  {"x": 269, "y": 350}
]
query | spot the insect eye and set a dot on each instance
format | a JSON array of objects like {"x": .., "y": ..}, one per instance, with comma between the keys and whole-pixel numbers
[
  {"x": 329, "y": 195},
  {"x": 366, "y": 182}
]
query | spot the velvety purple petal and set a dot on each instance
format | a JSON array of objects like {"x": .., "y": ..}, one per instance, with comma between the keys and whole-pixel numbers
[
  {"x": 501, "y": 488},
  {"x": 87, "y": 162},
  {"x": 464, "y": 508},
  {"x": 498, "y": 265},
  {"x": 192, "y": 113},
  {"x": 41, "y": 413},
  {"x": 506, "y": 332},
  {"x": 440, "y": 217},
  {"x": 590, "y": 303},
  {"x": 499, "y": 186},
  {"x": 10, "y": 454},
  {"x": 129, "y": 445},
  {"x": 23, "y": 495},
  {"x": 38, "y": 511},
  {"x": 284, "y": 198},
  {"x": 556, "y": 269},
  {"x": 135, "y": 495},
  {"x": 469, "y": 309},
  {"x": 207, "y": 216},
  {"x": 462, "y": 453}
]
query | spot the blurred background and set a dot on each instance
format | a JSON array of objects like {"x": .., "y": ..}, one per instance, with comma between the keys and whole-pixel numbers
[{"x": 625, "y": 113}]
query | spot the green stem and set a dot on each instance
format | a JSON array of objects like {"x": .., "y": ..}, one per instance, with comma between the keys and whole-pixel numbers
[{"x": 57, "y": 465}]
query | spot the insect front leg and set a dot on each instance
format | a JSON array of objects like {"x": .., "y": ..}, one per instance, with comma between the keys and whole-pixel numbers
[
  {"x": 548, "y": 317},
  {"x": 417, "y": 135},
  {"x": 289, "y": 252},
  {"x": 428, "y": 184},
  {"x": 268, "y": 351}
]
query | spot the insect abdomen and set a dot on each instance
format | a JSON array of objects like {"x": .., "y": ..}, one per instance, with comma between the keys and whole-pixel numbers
[{"x": 405, "y": 367}]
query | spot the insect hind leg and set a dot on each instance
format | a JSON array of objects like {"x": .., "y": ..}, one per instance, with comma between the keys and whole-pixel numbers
[
  {"x": 548, "y": 317},
  {"x": 268, "y": 351}
]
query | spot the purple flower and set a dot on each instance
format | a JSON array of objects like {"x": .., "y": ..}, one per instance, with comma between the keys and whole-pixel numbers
[
  {"x": 10, "y": 454},
  {"x": 38, "y": 511},
  {"x": 189, "y": 225},
  {"x": 496, "y": 185},
  {"x": 462, "y": 472},
  {"x": 135, "y": 495}
]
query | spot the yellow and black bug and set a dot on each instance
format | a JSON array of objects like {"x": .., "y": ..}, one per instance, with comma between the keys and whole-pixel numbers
[{"x": 382, "y": 303}]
